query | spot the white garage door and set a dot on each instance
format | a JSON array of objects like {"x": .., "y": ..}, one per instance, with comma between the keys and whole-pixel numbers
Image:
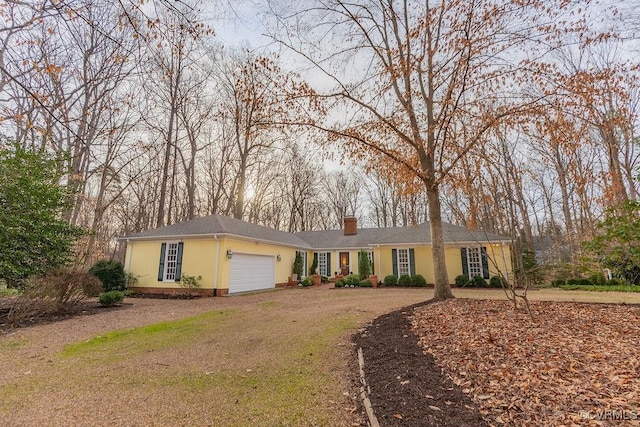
[{"x": 251, "y": 273}]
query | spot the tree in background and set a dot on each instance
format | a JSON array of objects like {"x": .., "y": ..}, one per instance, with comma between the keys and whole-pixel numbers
[
  {"x": 33, "y": 235},
  {"x": 617, "y": 243}
]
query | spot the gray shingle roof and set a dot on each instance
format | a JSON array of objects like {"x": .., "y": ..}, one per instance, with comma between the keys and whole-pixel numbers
[
  {"x": 421, "y": 233},
  {"x": 335, "y": 239},
  {"x": 221, "y": 225},
  {"x": 326, "y": 239}
]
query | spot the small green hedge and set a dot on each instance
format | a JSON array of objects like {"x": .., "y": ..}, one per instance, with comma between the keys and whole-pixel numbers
[
  {"x": 462, "y": 281},
  {"x": 108, "y": 299},
  {"x": 419, "y": 281},
  {"x": 495, "y": 282},
  {"x": 478, "y": 282},
  {"x": 353, "y": 281},
  {"x": 404, "y": 280},
  {"x": 390, "y": 280}
]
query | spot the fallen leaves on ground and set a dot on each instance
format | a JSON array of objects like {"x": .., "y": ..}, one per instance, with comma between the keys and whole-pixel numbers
[{"x": 567, "y": 367}]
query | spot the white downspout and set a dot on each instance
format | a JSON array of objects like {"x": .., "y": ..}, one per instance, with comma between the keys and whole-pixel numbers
[{"x": 217, "y": 264}]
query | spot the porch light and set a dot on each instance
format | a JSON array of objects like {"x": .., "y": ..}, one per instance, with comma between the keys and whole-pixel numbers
[
  {"x": 278, "y": 257},
  {"x": 229, "y": 254}
]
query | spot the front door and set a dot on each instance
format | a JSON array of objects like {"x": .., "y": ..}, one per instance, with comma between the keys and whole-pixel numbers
[{"x": 344, "y": 263}]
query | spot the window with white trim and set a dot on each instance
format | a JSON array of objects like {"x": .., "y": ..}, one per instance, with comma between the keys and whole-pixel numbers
[
  {"x": 170, "y": 262},
  {"x": 304, "y": 264},
  {"x": 474, "y": 262},
  {"x": 403, "y": 262},
  {"x": 370, "y": 256},
  {"x": 303, "y": 255},
  {"x": 322, "y": 263}
]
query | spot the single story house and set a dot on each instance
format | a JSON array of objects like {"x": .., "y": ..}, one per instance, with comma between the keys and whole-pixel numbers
[{"x": 233, "y": 256}]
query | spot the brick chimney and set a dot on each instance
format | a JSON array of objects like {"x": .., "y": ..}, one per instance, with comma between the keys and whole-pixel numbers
[{"x": 350, "y": 226}]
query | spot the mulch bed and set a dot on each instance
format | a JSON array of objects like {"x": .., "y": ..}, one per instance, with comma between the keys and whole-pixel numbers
[
  {"x": 475, "y": 363},
  {"x": 407, "y": 387},
  {"x": 164, "y": 296},
  {"x": 83, "y": 308}
]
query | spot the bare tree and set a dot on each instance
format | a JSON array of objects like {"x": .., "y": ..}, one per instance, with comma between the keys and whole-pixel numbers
[{"x": 427, "y": 91}]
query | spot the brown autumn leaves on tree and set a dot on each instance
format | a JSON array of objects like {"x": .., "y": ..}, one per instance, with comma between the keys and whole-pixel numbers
[
  {"x": 438, "y": 78},
  {"x": 452, "y": 102}
]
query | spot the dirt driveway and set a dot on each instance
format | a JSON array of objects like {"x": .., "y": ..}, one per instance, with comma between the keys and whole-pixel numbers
[{"x": 273, "y": 358}]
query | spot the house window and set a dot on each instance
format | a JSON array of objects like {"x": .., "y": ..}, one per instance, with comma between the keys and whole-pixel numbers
[
  {"x": 322, "y": 263},
  {"x": 304, "y": 263},
  {"x": 403, "y": 262},
  {"x": 170, "y": 262},
  {"x": 303, "y": 255},
  {"x": 474, "y": 262},
  {"x": 370, "y": 256}
]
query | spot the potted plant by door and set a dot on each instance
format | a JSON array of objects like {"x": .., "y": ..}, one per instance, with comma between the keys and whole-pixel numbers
[
  {"x": 317, "y": 279},
  {"x": 373, "y": 278}
]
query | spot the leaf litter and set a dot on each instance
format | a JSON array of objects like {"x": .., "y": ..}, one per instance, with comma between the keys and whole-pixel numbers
[{"x": 569, "y": 366}]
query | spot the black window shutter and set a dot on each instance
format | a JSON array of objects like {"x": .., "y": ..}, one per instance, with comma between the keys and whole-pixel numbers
[
  {"x": 328, "y": 272},
  {"x": 315, "y": 262},
  {"x": 394, "y": 261},
  {"x": 485, "y": 262},
  {"x": 412, "y": 262},
  {"x": 465, "y": 265},
  {"x": 163, "y": 249},
  {"x": 179, "y": 262},
  {"x": 373, "y": 269}
]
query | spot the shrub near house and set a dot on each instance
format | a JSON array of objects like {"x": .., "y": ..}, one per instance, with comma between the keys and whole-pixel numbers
[{"x": 111, "y": 274}]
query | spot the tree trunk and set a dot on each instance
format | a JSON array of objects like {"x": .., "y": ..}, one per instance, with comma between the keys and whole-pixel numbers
[
  {"x": 441, "y": 290},
  {"x": 238, "y": 212},
  {"x": 165, "y": 170}
]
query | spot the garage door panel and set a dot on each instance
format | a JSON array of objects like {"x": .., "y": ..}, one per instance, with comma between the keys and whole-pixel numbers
[{"x": 251, "y": 273}]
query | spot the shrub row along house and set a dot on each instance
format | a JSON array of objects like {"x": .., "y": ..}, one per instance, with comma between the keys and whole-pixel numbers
[{"x": 223, "y": 255}]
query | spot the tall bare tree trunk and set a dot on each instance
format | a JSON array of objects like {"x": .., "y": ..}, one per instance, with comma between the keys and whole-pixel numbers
[{"x": 442, "y": 289}]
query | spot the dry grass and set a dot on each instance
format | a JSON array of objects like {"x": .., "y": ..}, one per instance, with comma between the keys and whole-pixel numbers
[{"x": 270, "y": 359}]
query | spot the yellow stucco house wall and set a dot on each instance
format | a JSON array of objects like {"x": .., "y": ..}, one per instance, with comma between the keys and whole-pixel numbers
[{"x": 227, "y": 255}]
